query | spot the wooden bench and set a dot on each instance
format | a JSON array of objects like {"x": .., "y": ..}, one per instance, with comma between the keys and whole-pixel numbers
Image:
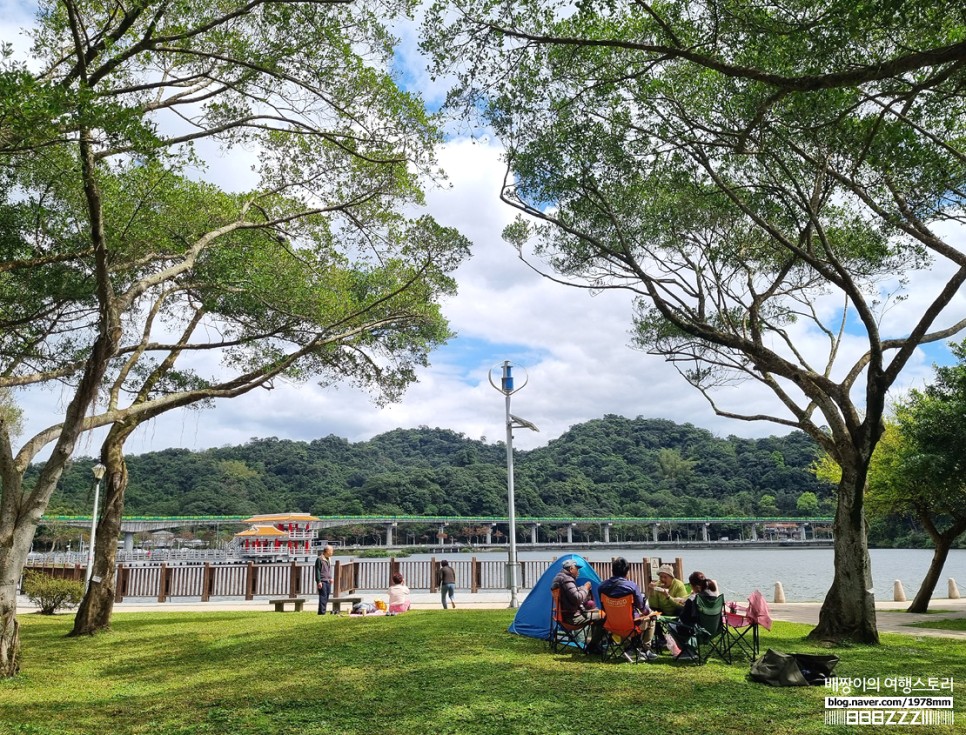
[
  {"x": 336, "y": 603},
  {"x": 298, "y": 602}
]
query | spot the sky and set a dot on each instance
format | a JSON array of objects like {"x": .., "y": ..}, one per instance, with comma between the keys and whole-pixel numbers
[{"x": 572, "y": 347}]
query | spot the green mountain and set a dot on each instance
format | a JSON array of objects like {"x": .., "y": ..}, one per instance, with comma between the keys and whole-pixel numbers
[{"x": 608, "y": 466}]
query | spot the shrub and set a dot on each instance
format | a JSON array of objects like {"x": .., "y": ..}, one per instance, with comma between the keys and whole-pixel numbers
[{"x": 49, "y": 594}]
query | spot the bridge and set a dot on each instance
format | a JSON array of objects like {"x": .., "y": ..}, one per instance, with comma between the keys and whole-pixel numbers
[{"x": 789, "y": 526}]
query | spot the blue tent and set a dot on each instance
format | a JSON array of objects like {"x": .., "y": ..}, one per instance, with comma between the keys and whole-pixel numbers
[{"x": 533, "y": 616}]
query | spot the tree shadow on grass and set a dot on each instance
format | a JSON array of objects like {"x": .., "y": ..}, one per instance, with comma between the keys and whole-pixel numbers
[{"x": 245, "y": 673}]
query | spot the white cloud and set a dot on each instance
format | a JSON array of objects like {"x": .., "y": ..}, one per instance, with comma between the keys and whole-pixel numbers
[{"x": 573, "y": 346}]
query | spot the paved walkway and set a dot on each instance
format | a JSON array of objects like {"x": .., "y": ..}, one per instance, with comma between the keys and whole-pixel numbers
[{"x": 890, "y": 617}]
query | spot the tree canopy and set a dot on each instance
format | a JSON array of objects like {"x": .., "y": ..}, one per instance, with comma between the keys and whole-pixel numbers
[
  {"x": 762, "y": 177},
  {"x": 136, "y": 273}
]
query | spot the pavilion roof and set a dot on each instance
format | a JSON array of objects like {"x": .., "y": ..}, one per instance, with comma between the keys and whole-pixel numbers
[{"x": 263, "y": 532}]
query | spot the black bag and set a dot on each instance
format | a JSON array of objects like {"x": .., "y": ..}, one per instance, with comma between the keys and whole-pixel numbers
[{"x": 792, "y": 669}]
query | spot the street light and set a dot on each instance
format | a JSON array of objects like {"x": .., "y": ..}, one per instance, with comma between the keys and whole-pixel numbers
[
  {"x": 98, "y": 471},
  {"x": 506, "y": 387}
]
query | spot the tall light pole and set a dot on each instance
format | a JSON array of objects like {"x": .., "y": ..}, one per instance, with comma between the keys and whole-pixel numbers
[
  {"x": 98, "y": 471},
  {"x": 507, "y": 388}
]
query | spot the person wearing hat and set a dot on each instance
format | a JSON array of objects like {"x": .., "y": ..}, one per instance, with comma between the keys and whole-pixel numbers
[
  {"x": 573, "y": 602},
  {"x": 667, "y": 594}
]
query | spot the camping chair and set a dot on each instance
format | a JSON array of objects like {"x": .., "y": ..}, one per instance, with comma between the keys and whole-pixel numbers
[
  {"x": 622, "y": 629},
  {"x": 710, "y": 634},
  {"x": 563, "y": 633},
  {"x": 741, "y": 628}
]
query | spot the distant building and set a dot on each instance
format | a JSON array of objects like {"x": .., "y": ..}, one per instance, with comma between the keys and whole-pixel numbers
[{"x": 277, "y": 537}]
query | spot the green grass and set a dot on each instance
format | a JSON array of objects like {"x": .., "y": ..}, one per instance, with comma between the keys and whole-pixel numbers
[
  {"x": 950, "y": 624},
  {"x": 426, "y": 672},
  {"x": 906, "y": 612}
]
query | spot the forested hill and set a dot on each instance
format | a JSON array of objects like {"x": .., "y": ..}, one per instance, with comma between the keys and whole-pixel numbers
[{"x": 608, "y": 466}]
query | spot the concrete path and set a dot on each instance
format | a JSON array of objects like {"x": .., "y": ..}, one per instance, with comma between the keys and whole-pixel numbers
[{"x": 890, "y": 617}]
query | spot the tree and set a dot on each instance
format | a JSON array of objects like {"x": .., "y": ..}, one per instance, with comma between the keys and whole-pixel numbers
[
  {"x": 759, "y": 178},
  {"x": 674, "y": 468},
  {"x": 120, "y": 270},
  {"x": 767, "y": 507},
  {"x": 807, "y": 503},
  {"x": 286, "y": 331},
  {"x": 916, "y": 468},
  {"x": 921, "y": 472}
]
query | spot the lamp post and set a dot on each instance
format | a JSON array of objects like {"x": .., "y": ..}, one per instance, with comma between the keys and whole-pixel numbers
[
  {"x": 507, "y": 388},
  {"x": 98, "y": 471}
]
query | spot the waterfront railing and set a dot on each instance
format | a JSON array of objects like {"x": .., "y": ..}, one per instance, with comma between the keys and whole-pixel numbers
[{"x": 164, "y": 581}]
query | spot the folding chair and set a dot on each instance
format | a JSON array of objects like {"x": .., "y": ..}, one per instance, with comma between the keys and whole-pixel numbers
[
  {"x": 563, "y": 633},
  {"x": 742, "y": 630},
  {"x": 711, "y": 633},
  {"x": 622, "y": 630}
]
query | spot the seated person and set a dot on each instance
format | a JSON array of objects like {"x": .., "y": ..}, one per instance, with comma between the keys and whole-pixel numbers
[
  {"x": 573, "y": 609},
  {"x": 667, "y": 594},
  {"x": 619, "y": 586},
  {"x": 683, "y": 628},
  {"x": 398, "y": 595}
]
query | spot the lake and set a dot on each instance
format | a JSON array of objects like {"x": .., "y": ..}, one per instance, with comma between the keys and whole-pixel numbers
[{"x": 805, "y": 574}]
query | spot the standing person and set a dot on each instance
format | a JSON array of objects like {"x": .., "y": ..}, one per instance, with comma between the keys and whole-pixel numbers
[
  {"x": 574, "y": 607},
  {"x": 398, "y": 595},
  {"x": 323, "y": 577},
  {"x": 620, "y": 586},
  {"x": 446, "y": 578}
]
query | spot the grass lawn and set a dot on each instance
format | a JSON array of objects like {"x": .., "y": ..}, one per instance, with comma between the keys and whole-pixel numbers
[
  {"x": 426, "y": 672},
  {"x": 950, "y": 624},
  {"x": 930, "y": 611}
]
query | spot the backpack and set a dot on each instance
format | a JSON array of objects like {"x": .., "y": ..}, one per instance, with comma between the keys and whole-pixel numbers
[{"x": 792, "y": 669}]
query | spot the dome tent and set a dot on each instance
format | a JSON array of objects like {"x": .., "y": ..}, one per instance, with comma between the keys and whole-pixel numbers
[{"x": 533, "y": 616}]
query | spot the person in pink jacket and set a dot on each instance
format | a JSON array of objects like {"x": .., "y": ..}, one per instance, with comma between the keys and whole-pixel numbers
[{"x": 398, "y": 595}]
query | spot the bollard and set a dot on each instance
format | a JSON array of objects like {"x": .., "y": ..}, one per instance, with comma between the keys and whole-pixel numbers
[
  {"x": 953, "y": 590},
  {"x": 898, "y": 594},
  {"x": 779, "y": 593}
]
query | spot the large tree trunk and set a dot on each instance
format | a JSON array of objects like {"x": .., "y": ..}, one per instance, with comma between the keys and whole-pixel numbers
[
  {"x": 21, "y": 509},
  {"x": 94, "y": 613},
  {"x": 848, "y": 613},
  {"x": 20, "y": 514},
  {"x": 12, "y": 558},
  {"x": 943, "y": 542}
]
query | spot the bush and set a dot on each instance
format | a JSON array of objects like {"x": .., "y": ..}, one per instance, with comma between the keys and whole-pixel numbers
[{"x": 49, "y": 594}]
